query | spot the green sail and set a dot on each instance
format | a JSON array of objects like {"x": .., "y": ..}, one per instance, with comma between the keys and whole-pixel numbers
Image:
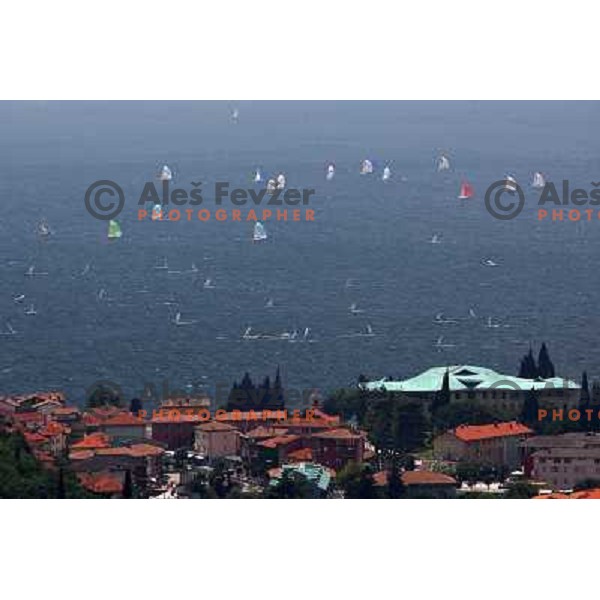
[{"x": 114, "y": 230}]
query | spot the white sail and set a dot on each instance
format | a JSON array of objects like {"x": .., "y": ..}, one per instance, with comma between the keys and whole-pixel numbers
[
  {"x": 257, "y": 176},
  {"x": 443, "y": 163},
  {"x": 165, "y": 174},
  {"x": 366, "y": 167},
  {"x": 538, "y": 181},
  {"x": 271, "y": 186},
  {"x": 510, "y": 183},
  {"x": 260, "y": 233},
  {"x": 330, "y": 172},
  {"x": 157, "y": 212},
  {"x": 280, "y": 181},
  {"x": 387, "y": 173},
  {"x": 31, "y": 310}
]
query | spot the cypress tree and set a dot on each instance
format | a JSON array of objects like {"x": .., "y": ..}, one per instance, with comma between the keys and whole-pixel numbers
[
  {"x": 529, "y": 411},
  {"x": 127, "y": 485},
  {"x": 546, "y": 368},
  {"x": 442, "y": 396}
]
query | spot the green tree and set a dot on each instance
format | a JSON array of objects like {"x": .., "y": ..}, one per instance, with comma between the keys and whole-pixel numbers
[
  {"x": 442, "y": 397},
  {"x": 104, "y": 395},
  {"x": 521, "y": 490},
  {"x": 291, "y": 485},
  {"x": 128, "y": 485},
  {"x": 529, "y": 412},
  {"x": 545, "y": 365},
  {"x": 395, "y": 487},
  {"x": 356, "y": 480}
]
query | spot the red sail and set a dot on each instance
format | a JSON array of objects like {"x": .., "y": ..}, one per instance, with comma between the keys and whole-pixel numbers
[{"x": 466, "y": 190}]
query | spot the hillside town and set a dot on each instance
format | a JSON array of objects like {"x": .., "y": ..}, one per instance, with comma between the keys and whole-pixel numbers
[{"x": 450, "y": 432}]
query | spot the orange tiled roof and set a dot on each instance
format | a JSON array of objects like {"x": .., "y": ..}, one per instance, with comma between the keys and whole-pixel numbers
[
  {"x": 215, "y": 426},
  {"x": 416, "y": 478},
  {"x": 281, "y": 440},
  {"x": 54, "y": 428},
  {"x": 123, "y": 419},
  {"x": 338, "y": 434},
  {"x": 81, "y": 454},
  {"x": 145, "y": 450},
  {"x": 591, "y": 494},
  {"x": 65, "y": 410},
  {"x": 29, "y": 417},
  {"x": 262, "y": 432},
  {"x": 472, "y": 433},
  {"x": 92, "y": 441},
  {"x": 34, "y": 438},
  {"x": 301, "y": 455},
  {"x": 101, "y": 483}
]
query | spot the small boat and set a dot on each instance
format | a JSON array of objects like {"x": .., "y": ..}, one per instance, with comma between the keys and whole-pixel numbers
[
  {"x": 235, "y": 115},
  {"x": 488, "y": 262},
  {"x": 19, "y": 298},
  {"x": 271, "y": 186},
  {"x": 387, "y": 173},
  {"x": 248, "y": 335},
  {"x": 355, "y": 310},
  {"x": 472, "y": 313},
  {"x": 157, "y": 212},
  {"x": 441, "y": 320},
  {"x": 539, "y": 182},
  {"x": 369, "y": 330},
  {"x": 102, "y": 294},
  {"x": 491, "y": 324},
  {"x": 31, "y": 310},
  {"x": 194, "y": 268},
  {"x": 43, "y": 229},
  {"x": 257, "y": 176},
  {"x": 330, "y": 172},
  {"x": 466, "y": 191},
  {"x": 31, "y": 272},
  {"x": 165, "y": 174},
  {"x": 435, "y": 239},
  {"x": 440, "y": 345},
  {"x": 260, "y": 233},
  {"x": 280, "y": 181},
  {"x": 270, "y": 303},
  {"x": 86, "y": 270},
  {"x": 306, "y": 333},
  {"x": 443, "y": 164},
  {"x": 162, "y": 267},
  {"x": 208, "y": 284},
  {"x": 180, "y": 322},
  {"x": 9, "y": 329},
  {"x": 114, "y": 230},
  {"x": 510, "y": 183},
  {"x": 366, "y": 167}
]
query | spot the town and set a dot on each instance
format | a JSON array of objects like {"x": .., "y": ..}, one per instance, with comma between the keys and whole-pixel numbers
[{"x": 450, "y": 432}]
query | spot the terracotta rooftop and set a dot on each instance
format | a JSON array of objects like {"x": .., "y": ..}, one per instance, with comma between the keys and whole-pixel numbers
[
  {"x": 262, "y": 432},
  {"x": 338, "y": 434},
  {"x": 215, "y": 426},
  {"x": 101, "y": 483},
  {"x": 92, "y": 441},
  {"x": 281, "y": 440},
  {"x": 472, "y": 433},
  {"x": 123, "y": 419},
  {"x": 417, "y": 478},
  {"x": 34, "y": 438},
  {"x": 301, "y": 455},
  {"x": 54, "y": 428},
  {"x": 65, "y": 410},
  {"x": 80, "y": 454}
]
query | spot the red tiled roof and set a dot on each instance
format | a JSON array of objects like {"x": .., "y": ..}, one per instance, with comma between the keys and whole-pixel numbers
[
  {"x": 266, "y": 432},
  {"x": 101, "y": 483},
  {"x": 123, "y": 419},
  {"x": 81, "y": 454},
  {"x": 416, "y": 478},
  {"x": 472, "y": 433},
  {"x": 34, "y": 438},
  {"x": 29, "y": 417},
  {"x": 65, "y": 410},
  {"x": 215, "y": 426},
  {"x": 301, "y": 455},
  {"x": 92, "y": 441},
  {"x": 281, "y": 440},
  {"x": 338, "y": 434},
  {"x": 145, "y": 450},
  {"x": 54, "y": 428}
]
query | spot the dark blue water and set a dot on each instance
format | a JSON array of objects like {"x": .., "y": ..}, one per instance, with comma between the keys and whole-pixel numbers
[{"x": 368, "y": 244}]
